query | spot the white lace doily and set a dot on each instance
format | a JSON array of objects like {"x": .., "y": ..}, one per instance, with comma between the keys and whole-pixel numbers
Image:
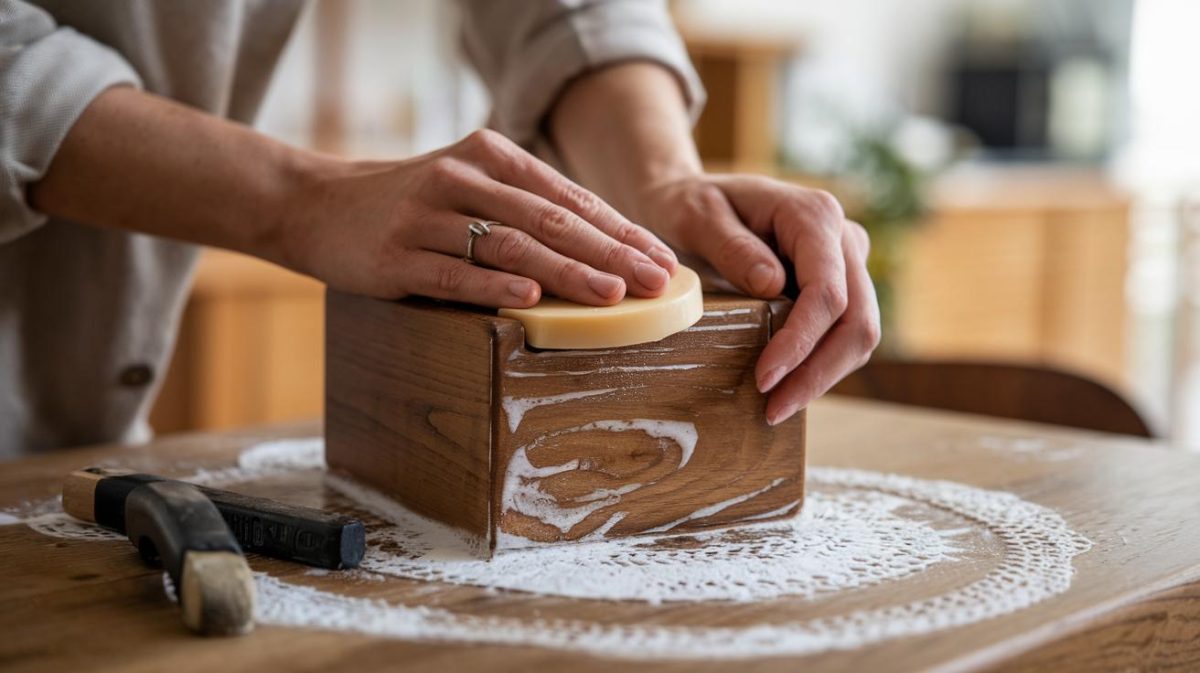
[{"x": 858, "y": 530}]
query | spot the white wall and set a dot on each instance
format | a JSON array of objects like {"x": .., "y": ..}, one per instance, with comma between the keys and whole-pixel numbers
[
  {"x": 407, "y": 91},
  {"x": 867, "y": 60}
]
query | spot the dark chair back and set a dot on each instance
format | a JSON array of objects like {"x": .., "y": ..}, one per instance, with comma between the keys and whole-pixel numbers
[{"x": 1008, "y": 391}]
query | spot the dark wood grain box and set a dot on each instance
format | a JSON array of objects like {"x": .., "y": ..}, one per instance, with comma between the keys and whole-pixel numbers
[{"x": 445, "y": 409}]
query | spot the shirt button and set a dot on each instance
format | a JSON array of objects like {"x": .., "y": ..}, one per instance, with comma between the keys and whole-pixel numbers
[{"x": 136, "y": 375}]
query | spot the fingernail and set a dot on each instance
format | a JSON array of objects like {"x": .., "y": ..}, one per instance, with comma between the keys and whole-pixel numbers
[
  {"x": 781, "y": 416},
  {"x": 760, "y": 277},
  {"x": 663, "y": 257},
  {"x": 650, "y": 275},
  {"x": 521, "y": 289},
  {"x": 604, "y": 285},
  {"x": 768, "y": 380}
]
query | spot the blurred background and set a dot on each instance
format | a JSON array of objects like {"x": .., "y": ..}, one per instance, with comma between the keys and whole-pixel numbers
[{"x": 1029, "y": 170}]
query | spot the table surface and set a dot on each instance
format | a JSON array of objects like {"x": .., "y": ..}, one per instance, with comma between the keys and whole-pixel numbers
[{"x": 1134, "y": 602}]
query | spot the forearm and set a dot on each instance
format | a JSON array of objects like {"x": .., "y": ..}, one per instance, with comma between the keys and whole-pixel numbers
[
  {"x": 138, "y": 162},
  {"x": 142, "y": 163},
  {"x": 624, "y": 130}
]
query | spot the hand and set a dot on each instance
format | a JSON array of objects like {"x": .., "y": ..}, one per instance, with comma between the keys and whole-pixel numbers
[
  {"x": 733, "y": 222},
  {"x": 391, "y": 229}
]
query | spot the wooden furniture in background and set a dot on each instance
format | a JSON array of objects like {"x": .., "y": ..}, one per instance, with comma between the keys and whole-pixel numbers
[
  {"x": 1006, "y": 391},
  {"x": 1133, "y": 602},
  {"x": 1020, "y": 265},
  {"x": 250, "y": 349},
  {"x": 447, "y": 410},
  {"x": 331, "y": 55},
  {"x": 739, "y": 124}
]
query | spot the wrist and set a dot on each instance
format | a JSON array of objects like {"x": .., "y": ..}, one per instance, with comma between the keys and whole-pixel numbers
[
  {"x": 623, "y": 129},
  {"x": 297, "y": 201}
]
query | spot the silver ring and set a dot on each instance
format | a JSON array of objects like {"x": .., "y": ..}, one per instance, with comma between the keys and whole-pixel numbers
[{"x": 475, "y": 230}]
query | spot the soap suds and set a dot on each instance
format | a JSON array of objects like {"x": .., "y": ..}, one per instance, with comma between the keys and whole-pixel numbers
[
  {"x": 522, "y": 492},
  {"x": 616, "y": 369},
  {"x": 578, "y": 353},
  {"x": 714, "y": 508},
  {"x": 857, "y": 529},
  {"x": 773, "y": 513},
  {"x": 806, "y": 556},
  {"x": 724, "y": 328},
  {"x": 515, "y": 408}
]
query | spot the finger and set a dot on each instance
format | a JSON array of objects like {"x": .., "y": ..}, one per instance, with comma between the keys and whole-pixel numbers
[
  {"x": 506, "y": 162},
  {"x": 846, "y": 348},
  {"x": 514, "y": 251},
  {"x": 443, "y": 277},
  {"x": 731, "y": 248},
  {"x": 565, "y": 232},
  {"x": 833, "y": 359},
  {"x": 814, "y": 245}
]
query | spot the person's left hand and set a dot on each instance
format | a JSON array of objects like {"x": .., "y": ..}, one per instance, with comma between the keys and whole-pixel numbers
[{"x": 742, "y": 225}]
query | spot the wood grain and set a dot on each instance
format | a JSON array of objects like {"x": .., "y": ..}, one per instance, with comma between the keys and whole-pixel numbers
[
  {"x": 1133, "y": 605},
  {"x": 412, "y": 393},
  {"x": 408, "y": 404},
  {"x": 701, "y": 378}
]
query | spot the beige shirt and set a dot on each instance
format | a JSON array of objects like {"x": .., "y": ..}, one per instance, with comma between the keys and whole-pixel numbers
[{"x": 88, "y": 316}]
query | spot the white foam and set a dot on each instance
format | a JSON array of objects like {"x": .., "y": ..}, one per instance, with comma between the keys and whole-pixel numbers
[
  {"x": 724, "y": 328},
  {"x": 772, "y": 513},
  {"x": 615, "y": 369},
  {"x": 522, "y": 491},
  {"x": 515, "y": 408},
  {"x": 715, "y": 508},
  {"x": 857, "y": 529},
  {"x": 682, "y": 433}
]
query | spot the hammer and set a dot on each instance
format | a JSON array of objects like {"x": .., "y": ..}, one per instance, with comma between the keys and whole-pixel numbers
[
  {"x": 199, "y": 534},
  {"x": 173, "y": 523},
  {"x": 261, "y": 525}
]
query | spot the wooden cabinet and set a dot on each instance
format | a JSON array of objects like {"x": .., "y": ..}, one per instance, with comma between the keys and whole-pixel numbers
[
  {"x": 739, "y": 124},
  {"x": 250, "y": 350},
  {"x": 1025, "y": 266}
]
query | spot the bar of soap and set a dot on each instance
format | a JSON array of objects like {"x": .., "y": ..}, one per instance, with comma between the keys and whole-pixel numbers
[{"x": 559, "y": 324}]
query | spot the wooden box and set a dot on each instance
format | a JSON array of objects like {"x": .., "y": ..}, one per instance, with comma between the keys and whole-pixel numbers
[{"x": 446, "y": 409}]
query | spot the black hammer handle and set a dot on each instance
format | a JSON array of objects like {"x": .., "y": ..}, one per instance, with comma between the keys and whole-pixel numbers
[
  {"x": 261, "y": 525},
  {"x": 172, "y": 523}
]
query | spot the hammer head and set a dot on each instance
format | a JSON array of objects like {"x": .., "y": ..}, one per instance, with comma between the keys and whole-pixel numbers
[{"x": 173, "y": 523}]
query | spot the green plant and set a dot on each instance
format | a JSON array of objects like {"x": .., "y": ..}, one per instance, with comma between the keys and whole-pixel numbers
[
  {"x": 888, "y": 200},
  {"x": 885, "y": 191}
]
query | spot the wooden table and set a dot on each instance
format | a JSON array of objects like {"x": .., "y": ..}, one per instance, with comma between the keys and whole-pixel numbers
[{"x": 1134, "y": 603}]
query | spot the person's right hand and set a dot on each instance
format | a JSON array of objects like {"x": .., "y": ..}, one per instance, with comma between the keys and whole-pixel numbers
[{"x": 391, "y": 229}]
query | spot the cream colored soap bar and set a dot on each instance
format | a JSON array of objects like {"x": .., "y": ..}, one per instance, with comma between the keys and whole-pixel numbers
[{"x": 560, "y": 324}]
